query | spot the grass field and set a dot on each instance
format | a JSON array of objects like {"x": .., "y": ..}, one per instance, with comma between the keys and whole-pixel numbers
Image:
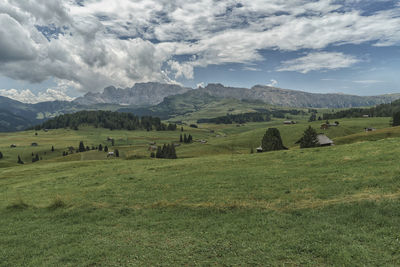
[{"x": 216, "y": 205}]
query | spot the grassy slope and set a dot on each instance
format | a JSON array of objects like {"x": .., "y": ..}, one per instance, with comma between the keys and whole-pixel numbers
[
  {"x": 217, "y": 204},
  {"x": 324, "y": 206},
  {"x": 232, "y": 139}
]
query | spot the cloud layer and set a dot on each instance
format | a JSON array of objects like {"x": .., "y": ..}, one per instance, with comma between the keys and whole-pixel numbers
[
  {"x": 93, "y": 43},
  {"x": 26, "y": 96}
]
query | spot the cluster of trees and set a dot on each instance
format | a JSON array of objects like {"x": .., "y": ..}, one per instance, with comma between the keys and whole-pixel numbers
[
  {"x": 106, "y": 119},
  {"x": 36, "y": 158},
  {"x": 382, "y": 110},
  {"x": 186, "y": 139},
  {"x": 238, "y": 118},
  {"x": 313, "y": 117},
  {"x": 272, "y": 140},
  {"x": 83, "y": 148},
  {"x": 165, "y": 152}
]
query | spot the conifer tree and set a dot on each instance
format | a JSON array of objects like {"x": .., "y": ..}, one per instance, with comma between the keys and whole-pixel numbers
[
  {"x": 52, "y": 148},
  {"x": 272, "y": 140},
  {"x": 19, "y": 160},
  {"x": 81, "y": 147},
  {"x": 185, "y": 140},
  {"x": 116, "y": 152},
  {"x": 87, "y": 148},
  {"x": 309, "y": 138},
  {"x": 159, "y": 152},
  {"x": 190, "y": 139},
  {"x": 396, "y": 119},
  {"x": 180, "y": 139},
  {"x": 173, "y": 152},
  {"x": 313, "y": 117},
  {"x": 106, "y": 149},
  {"x": 100, "y": 147},
  {"x": 181, "y": 129},
  {"x": 164, "y": 151},
  {"x": 1, "y": 155},
  {"x": 152, "y": 155}
]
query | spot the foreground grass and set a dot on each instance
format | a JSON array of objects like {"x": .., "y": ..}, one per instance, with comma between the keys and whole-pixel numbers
[{"x": 324, "y": 206}]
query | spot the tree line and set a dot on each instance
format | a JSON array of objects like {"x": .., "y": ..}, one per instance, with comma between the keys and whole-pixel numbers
[
  {"x": 106, "y": 119},
  {"x": 262, "y": 115},
  {"x": 382, "y": 110}
]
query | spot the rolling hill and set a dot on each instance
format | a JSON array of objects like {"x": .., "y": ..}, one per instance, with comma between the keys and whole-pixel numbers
[{"x": 217, "y": 204}]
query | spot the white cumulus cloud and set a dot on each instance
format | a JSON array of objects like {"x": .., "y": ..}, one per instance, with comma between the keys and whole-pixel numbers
[
  {"x": 319, "y": 61},
  {"x": 97, "y": 43},
  {"x": 26, "y": 96}
]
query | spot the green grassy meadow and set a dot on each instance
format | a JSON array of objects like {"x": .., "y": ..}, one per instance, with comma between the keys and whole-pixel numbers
[{"x": 217, "y": 204}]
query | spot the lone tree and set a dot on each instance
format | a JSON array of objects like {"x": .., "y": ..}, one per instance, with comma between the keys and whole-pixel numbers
[
  {"x": 116, "y": 152},
  {"x": 81, "y": 147},
  {"x": 396, "y": 119},
  {"x": 313, "y": 117},
  {"x": 309, "y": 138},
  {"x": 180, "y": 139},
  {"x": 35, "y": 158},
  {"x": 272, "y": 140},
  {"x": 52, "y": 148}
]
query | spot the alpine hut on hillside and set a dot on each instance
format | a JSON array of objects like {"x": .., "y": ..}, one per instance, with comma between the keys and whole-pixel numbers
[
  {"x": 323, "y": 140},
  {"x": 289, "y": 122}
]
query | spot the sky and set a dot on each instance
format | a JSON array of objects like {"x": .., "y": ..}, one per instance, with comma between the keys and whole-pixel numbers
[{"x": 61, "y": 49}]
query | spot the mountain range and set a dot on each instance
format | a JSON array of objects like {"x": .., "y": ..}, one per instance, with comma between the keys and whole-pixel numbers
[
  {"x": 168, "y": 100},
  {"x": 141, "y": 94}
]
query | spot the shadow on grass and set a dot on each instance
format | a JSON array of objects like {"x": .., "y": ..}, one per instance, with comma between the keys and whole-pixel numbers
[
  {"x": 19, "y": 204},
  {"x": 57, "y": 203}
]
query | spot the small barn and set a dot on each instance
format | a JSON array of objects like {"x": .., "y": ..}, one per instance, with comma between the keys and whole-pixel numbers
[
  {"x": 110, "y": 154},
  {"x": 324, "y": 126},
  {"x": 13, "y": 145},
  {"x": 34, "y": 144},
  {"x": 369, "y": 129},
  {"x": 289, "y": 122},
  {"x": 259, "y": 149},
  {"x": 324, "y": 140},
  {"x": 365, "y": 116}
]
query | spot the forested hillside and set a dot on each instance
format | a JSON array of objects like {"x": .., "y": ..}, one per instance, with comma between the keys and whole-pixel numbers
[
  {"x": 382, "y": 110},
  {"x": 106, "y": 119}
]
